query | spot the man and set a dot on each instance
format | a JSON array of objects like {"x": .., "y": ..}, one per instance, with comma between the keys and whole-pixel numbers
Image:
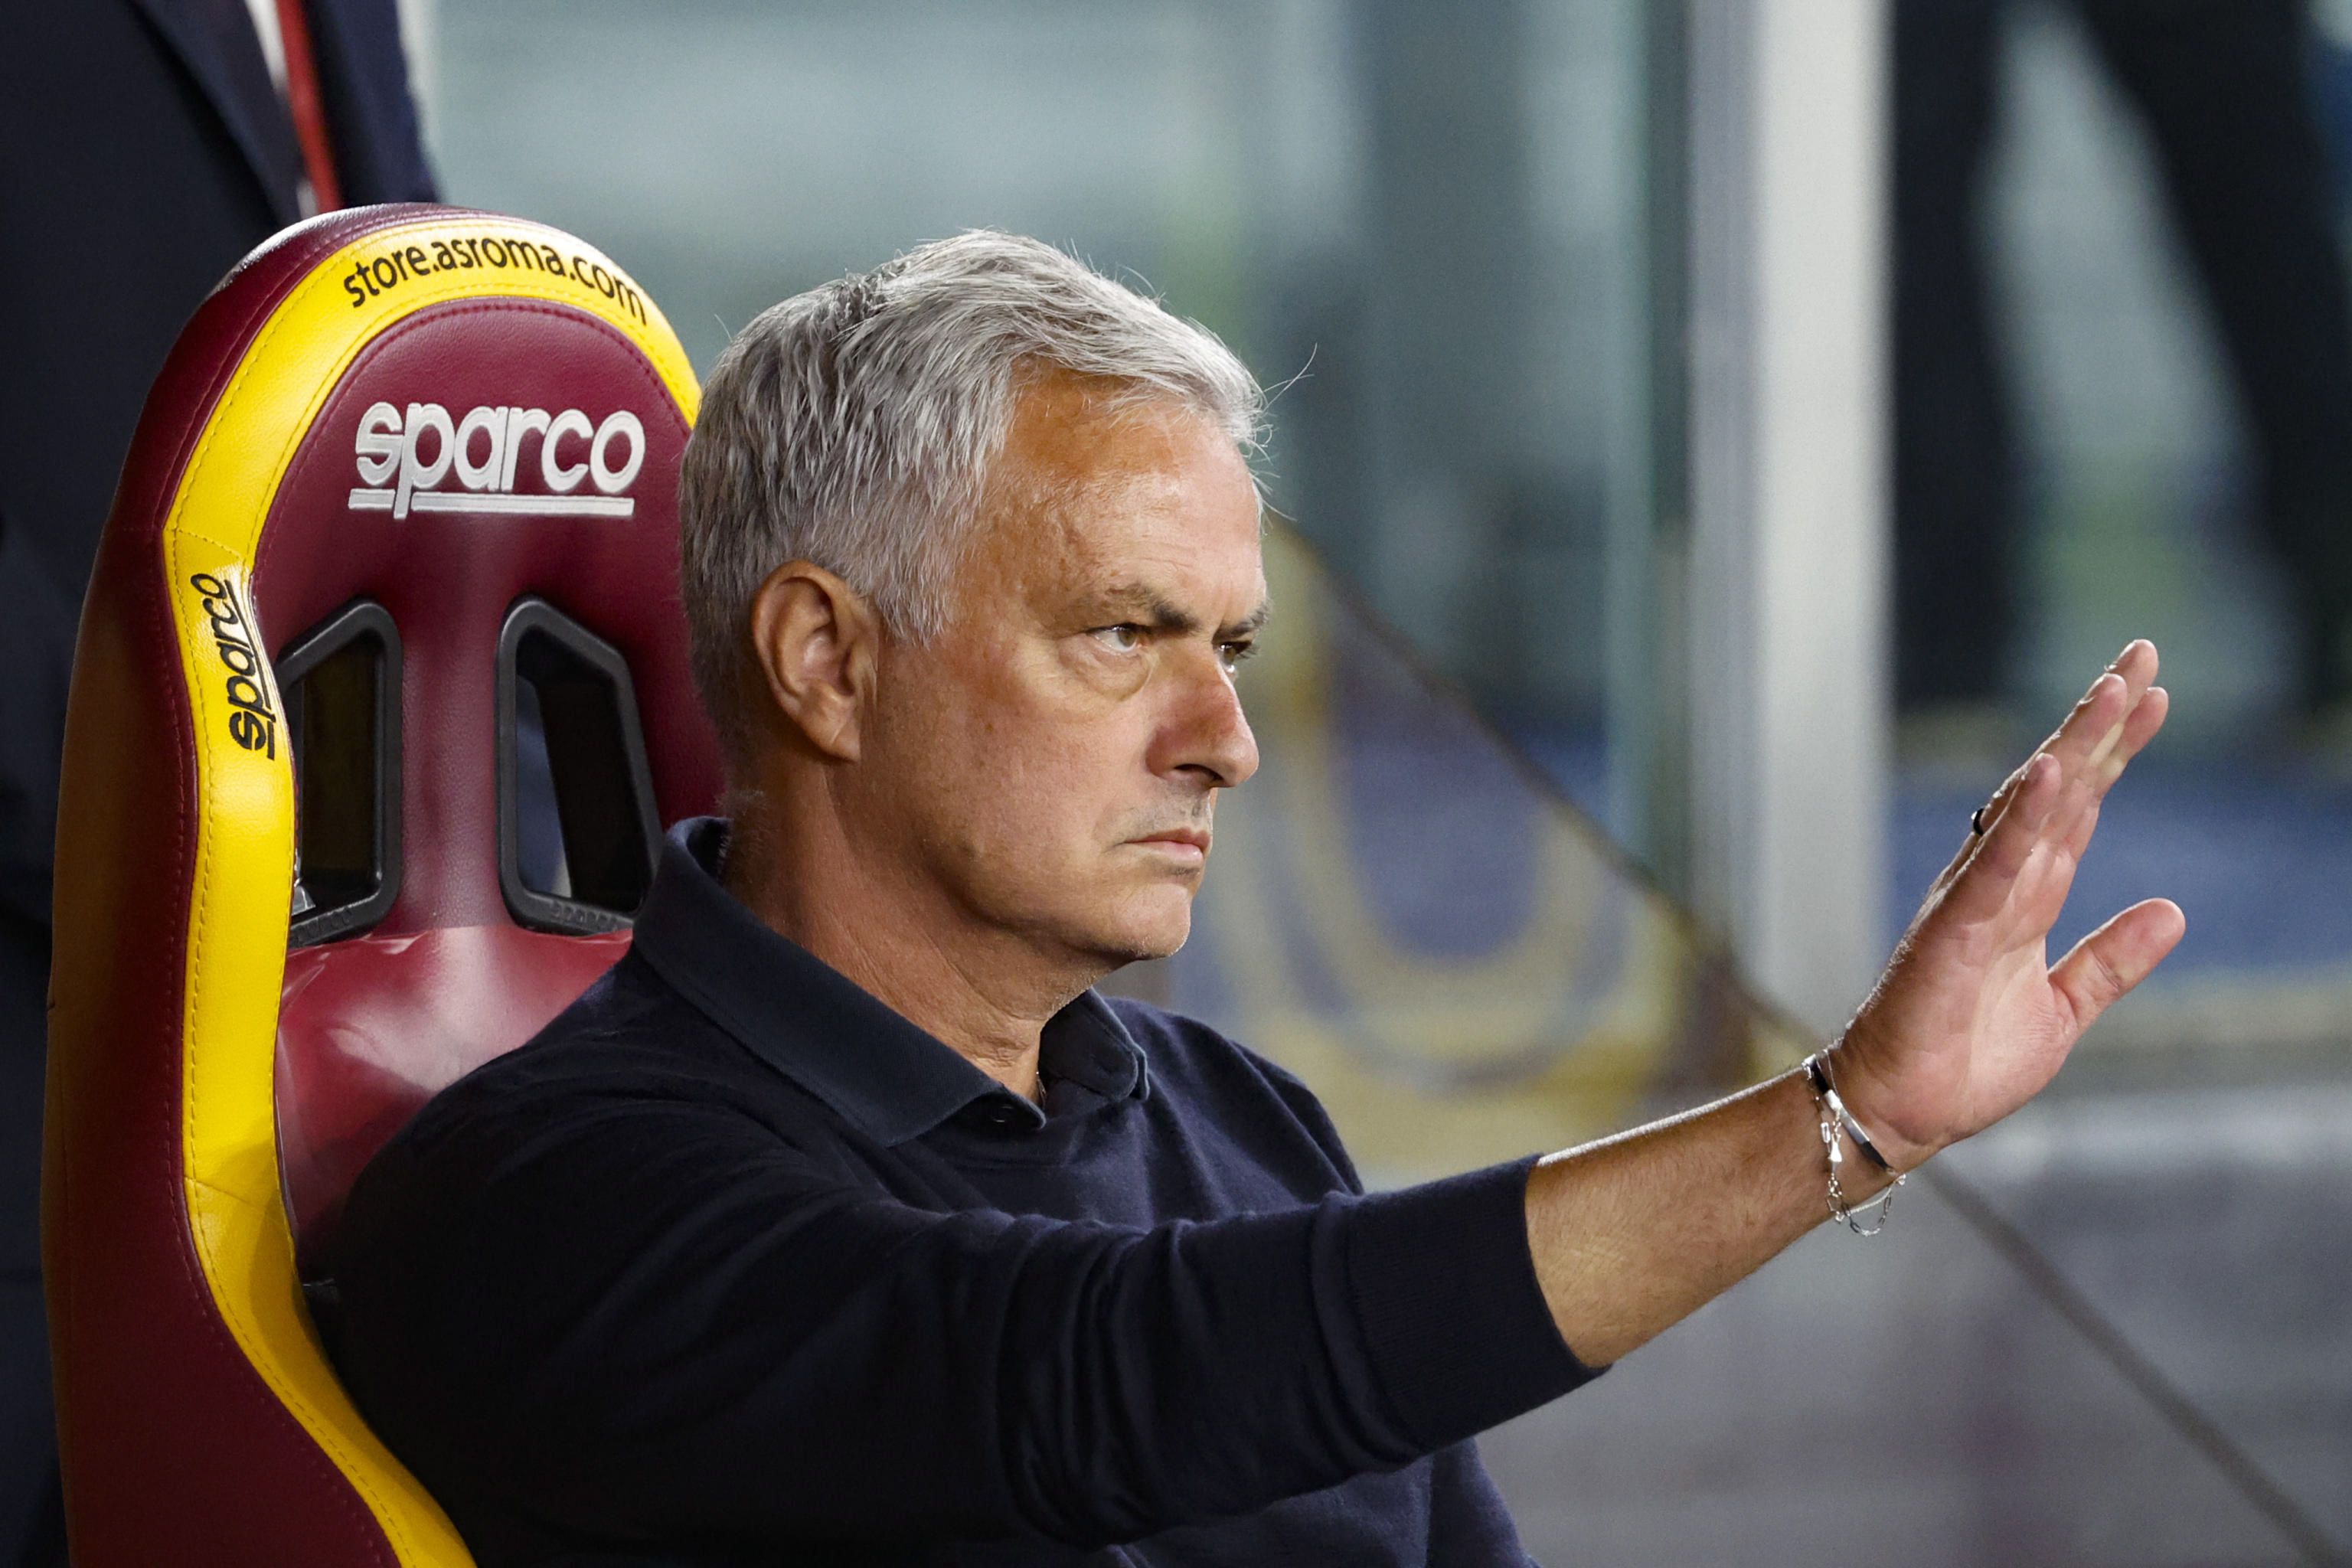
[
  {"x": 842, "y": 1221},
  {"x": 145, "y": 146}
]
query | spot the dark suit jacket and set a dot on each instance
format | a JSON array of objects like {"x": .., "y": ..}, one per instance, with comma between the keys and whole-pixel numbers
[{"x": 143, "y": 151}]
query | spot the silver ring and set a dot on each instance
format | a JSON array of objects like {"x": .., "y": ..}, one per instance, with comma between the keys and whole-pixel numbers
[{"x": 1975, "y": 821}]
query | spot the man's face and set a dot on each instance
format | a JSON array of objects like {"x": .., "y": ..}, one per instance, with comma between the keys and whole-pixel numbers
[{"x": 1050, "y": 762}]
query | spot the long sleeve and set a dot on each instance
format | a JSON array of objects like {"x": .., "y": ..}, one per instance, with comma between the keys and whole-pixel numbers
[{"x": 658, "y": 1319}]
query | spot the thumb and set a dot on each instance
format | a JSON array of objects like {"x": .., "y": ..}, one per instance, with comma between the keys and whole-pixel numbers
[{"x": 2117, "y": 956}]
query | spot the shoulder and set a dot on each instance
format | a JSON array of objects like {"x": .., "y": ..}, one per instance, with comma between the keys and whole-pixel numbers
[
  {"x": 1219, "y": 1071},
  {"x": 628, "y": 1036},
  {"x": 626, "y": 1072}
]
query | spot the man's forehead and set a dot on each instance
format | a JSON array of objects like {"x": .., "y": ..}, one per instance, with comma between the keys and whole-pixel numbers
[
  {"x": 1126, "y": 502},
  {"x": 1125, "y": 517}
]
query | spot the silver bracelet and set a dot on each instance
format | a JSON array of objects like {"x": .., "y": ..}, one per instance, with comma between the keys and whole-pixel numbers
[{"x": 1837, "y": 1119}]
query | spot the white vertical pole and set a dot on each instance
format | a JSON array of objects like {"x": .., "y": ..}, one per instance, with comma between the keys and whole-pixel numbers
[{"x": 1787, "y": 595}]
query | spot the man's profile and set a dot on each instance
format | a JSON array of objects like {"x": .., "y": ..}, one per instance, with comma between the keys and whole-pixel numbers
[{"x": 843, "y": 1221}]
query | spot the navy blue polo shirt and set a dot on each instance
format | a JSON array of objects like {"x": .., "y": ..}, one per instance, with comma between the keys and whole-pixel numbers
[{"x": 733, "y": 1264}]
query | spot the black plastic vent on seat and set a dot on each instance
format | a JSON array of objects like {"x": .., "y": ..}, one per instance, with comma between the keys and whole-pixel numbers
[
  {"x": 341, "y": 685},
  {"x": 577, "y": 828}
]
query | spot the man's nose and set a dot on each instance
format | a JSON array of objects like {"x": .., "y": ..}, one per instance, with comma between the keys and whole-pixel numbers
[{"x": 1208, "y": 733}]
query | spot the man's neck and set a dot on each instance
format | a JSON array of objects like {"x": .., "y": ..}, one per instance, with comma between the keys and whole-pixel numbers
[{"x": 983, "y": 993}]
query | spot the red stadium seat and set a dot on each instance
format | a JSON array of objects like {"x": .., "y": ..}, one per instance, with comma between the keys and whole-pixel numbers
[{"x": 380, "y": 693}]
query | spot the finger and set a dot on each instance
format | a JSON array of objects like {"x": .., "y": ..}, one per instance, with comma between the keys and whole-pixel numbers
[
  {"x": 2101, "y": 726},
  {"x": 1983, "y": 885},
  {"x": 1986, "y": 815},
  {"x": 1982, "y": 822},
  {"x": 2139, "y": 729},
  {"x": 2108, "y": 962},
  {"x": 2146, "y": 720},
  {"x": 2091, "y": 728},
  {"x": 2094, "y": 723},
  {"x": 2077, "y": 842},
  {"x": 2092, "y": 745}
]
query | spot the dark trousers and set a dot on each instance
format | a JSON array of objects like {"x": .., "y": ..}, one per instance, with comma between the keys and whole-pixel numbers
[{"x": 2221, "y": 87}]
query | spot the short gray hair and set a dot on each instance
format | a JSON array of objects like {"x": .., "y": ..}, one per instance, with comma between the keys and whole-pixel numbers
[{"x": 853, "y": 426}]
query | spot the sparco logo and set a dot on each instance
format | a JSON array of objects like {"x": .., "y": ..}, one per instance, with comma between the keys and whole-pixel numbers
[
  {"x": 404, "y": 457},
  {"x": 252, "y": 721}
]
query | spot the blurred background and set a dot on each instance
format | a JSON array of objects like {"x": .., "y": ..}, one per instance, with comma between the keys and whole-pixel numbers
[{"x": 1714, "y": 440}]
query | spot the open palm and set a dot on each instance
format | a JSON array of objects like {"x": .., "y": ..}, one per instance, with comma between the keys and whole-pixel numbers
[{"x": 1970, "y": 1019}]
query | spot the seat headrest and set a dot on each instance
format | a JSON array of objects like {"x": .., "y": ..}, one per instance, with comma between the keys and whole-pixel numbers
[{"x": 480, "y": 459}]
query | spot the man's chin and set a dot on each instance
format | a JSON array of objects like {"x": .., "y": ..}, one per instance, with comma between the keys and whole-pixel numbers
[
  {"x": 1139, "y": 949},
  {"x": 1156, "y": 934}
]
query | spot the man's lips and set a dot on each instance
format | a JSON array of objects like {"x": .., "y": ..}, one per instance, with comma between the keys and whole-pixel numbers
[{"x": 1193, "y": 841}]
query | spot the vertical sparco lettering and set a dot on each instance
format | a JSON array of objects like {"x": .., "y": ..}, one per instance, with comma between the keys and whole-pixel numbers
[{"x": 252, "y": 718}]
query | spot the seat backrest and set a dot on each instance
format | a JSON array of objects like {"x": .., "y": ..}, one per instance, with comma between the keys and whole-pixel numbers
[{"x": 380, "y": 693}]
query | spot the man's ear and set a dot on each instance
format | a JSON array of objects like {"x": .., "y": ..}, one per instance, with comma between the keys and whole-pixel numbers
[{"x": 814, "y": 639}]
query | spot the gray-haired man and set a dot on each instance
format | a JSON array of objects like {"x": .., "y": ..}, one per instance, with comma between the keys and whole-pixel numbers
[{"x": 843, "y": 1222}]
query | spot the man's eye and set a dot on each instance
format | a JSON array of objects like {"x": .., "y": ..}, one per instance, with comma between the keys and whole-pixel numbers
[
  {"x": 1126, "y": 638},
  {"x": 1234, "y": 652}
]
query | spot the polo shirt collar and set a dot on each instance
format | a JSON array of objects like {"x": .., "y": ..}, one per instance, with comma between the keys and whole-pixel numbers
[{"x": 877, "y": 1069}]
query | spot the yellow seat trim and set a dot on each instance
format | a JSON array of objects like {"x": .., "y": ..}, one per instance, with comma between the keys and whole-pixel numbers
[{"x": 240, "y": 904}]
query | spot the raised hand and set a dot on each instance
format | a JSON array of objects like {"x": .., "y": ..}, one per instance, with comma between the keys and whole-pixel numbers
[{"x": 1970, "y": 1020}]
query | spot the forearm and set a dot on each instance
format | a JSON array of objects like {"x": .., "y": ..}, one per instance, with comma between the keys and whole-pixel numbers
[{"x": 1634, "y": 1234}]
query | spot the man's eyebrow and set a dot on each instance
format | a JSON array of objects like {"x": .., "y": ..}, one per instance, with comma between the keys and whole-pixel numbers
[
  {"x": 1248, "y": 624},
  {"x": 1150, "y": 608}
]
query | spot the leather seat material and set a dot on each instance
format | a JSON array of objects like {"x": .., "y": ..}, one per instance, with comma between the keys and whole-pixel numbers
[{"x": 374, "y": 1027}]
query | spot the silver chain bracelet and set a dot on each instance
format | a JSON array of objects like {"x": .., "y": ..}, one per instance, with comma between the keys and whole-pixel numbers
[{"x": 1837, "y": 1119}]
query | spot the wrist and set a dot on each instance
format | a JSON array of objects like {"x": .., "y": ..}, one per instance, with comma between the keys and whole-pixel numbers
[
  {"x": 1859, "y": 1174},
  {"x": 1891, "y": 1133}
]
